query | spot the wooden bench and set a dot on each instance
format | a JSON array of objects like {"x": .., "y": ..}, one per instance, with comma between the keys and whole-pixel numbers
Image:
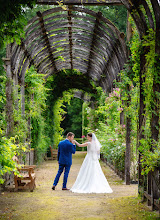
[{"x": 27, "y": 178}]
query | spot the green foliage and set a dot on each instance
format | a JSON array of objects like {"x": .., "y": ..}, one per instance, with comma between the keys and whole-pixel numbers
[
  {"x": 7, "y": 150},
  {"x": 113, "y": 142},
  {"x": 150, "y": 155},
  {"x": 2, "y": 91},
  {"x": 64, "y": 81},
  {"x": 150, "y": 159},
  {"x": 73, "y": 117},
  {"x": 36, "y": 95},
  {"x": 58, "y": 117},
  {"x": 12, "y": 19},
  {"x": 150, "y": 148},
  {"x": 104, "y": 120},
  {"x": 116, "y": 14}
]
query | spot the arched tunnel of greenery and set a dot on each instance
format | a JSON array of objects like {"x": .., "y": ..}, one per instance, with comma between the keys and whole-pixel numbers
[{"x": 57, "y": 85}]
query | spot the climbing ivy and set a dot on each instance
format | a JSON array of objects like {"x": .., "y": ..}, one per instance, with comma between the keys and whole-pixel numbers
[{"x": 36, "y": 95}]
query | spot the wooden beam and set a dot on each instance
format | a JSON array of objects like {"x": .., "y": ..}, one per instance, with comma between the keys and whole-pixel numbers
[
  {"x": 79, "y": 2},
  {"x": 70, "y": 35},
  {"x": 28, "y": 55},
  {"x": 45, "y": 37},
  {"x": 94, "y": 36}
]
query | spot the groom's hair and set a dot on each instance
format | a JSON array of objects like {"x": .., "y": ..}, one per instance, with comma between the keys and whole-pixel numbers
[{"x": 70, "y": 134}]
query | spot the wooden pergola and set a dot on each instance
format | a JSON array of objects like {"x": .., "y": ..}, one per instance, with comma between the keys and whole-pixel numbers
[{"x": 75, "y": 38}]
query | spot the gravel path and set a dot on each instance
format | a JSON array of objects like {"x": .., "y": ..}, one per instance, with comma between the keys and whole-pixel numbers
[{"x": 46, "y": 204}]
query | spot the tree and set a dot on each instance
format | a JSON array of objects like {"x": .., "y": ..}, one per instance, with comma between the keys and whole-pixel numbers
[
  {"x": 73, "y": 118},
  {"x": 116, "y": 14},
  {"x": 12, "y": 18}
]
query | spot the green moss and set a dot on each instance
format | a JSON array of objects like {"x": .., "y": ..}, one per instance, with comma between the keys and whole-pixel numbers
[{"x": 131, "y": 208}]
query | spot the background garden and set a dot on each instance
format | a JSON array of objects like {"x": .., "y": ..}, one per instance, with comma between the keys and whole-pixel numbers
[{"x": 53, "y": 110}]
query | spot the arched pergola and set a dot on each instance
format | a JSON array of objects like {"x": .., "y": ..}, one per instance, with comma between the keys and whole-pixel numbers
[{"x": 76, "y": 39}]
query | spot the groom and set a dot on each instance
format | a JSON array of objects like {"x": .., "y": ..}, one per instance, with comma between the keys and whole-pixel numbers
[{"x": 65, "y": 150}]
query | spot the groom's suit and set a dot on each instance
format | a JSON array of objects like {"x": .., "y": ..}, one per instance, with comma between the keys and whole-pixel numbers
[{"x": 65, "y": 151}]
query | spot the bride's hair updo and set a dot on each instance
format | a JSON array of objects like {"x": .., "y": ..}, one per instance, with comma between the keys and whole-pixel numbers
[{"x": 89, "y": 134}]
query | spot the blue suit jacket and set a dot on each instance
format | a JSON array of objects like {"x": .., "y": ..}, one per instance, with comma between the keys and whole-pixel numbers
[{"x": 65, "y": 151}]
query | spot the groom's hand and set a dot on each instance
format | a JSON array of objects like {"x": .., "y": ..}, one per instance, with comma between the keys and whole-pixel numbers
[{"x": 73, "y": 142}]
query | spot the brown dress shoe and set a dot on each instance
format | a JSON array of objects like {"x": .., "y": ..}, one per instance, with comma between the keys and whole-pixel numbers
[{"x": 65, "y": 189}]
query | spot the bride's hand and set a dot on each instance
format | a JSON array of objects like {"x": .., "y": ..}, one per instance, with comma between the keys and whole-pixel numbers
[
  {"x": 73, "y": 142},
  {"x": 76, "y": 142}
]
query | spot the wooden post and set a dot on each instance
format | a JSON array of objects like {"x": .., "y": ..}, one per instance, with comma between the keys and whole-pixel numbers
[
  {"x": 9, "y": 99},
  {"x": 155, "y": 127},
  {"x": 149, "y": 183},
  {"x": 128, "y": 118},
  {"x": 15, "y": 89},
  {"x": 23, "y": 95},
  {"x": 142, "y": 119},
  {"x": 122, "y": 114},
  {"x": 128, "y": 142}
]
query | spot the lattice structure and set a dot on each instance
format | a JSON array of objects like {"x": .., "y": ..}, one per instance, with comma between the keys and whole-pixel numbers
[
  {"x": 80, "y": 2},
  {"x": 75, "y": 38}
]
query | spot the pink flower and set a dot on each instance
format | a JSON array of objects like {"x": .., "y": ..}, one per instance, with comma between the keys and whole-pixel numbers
[
  {"x": 107, "y": 99},
  {"x": 111, "y": 139},
  {"x": 114, "y": 92},
  {"x": 119, "y": 109},
  {"x": 116, "y": 129},
  {"x": 83, "y": 136},
  {"x": 123, "y": 126}
]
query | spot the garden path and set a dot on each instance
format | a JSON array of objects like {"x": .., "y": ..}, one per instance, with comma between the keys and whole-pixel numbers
[{"x": 46, "y": 204}]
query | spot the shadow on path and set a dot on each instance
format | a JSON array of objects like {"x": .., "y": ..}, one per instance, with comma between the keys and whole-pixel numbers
[{"x": 46, "y": 204}]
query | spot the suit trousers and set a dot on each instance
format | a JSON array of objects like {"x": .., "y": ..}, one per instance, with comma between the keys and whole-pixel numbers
[{"x": 66, "y": 172}]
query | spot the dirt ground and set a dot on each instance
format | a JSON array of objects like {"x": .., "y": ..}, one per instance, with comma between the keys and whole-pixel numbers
[{"x": 46, "y": 204}]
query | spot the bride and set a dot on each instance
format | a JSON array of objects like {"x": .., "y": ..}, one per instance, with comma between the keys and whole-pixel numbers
[{"x": 90, "y": 178}]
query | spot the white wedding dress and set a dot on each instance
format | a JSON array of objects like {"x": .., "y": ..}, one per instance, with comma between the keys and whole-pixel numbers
[{"x": 90, "y": 178}]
